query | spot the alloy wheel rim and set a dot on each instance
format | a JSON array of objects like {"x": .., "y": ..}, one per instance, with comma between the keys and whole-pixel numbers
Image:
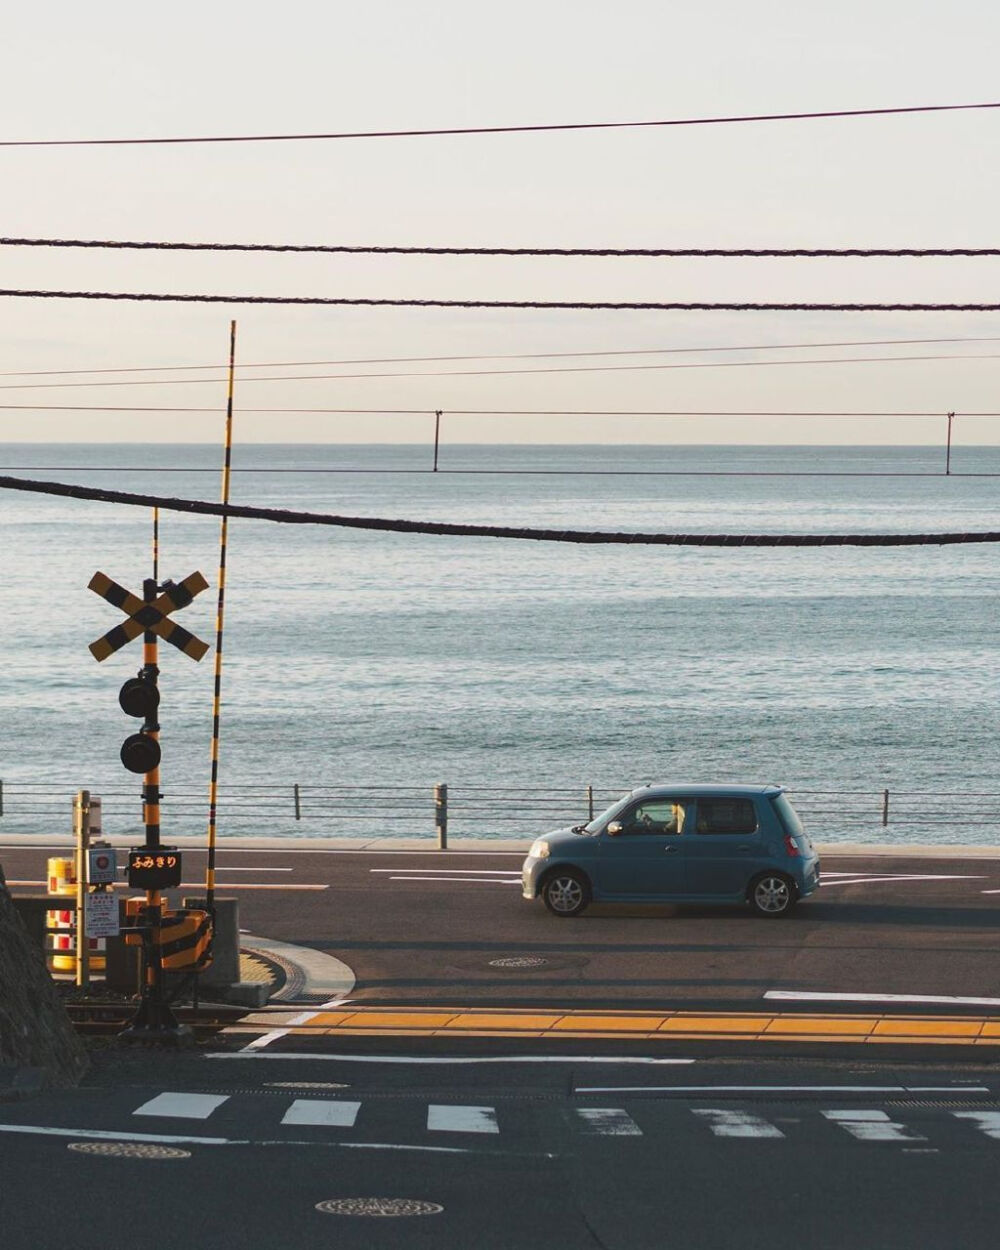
[
  {"x": 771, "y": 894},
  {"x": 565, "y": 893}
]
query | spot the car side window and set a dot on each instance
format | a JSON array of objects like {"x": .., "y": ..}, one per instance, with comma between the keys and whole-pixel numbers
[
  {"x": 726, "y": 816},
  {"x": 657, "y": 816}
]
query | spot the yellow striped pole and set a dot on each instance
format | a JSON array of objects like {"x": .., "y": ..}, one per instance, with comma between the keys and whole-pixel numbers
[
  {"x": 156, "y": 545},
  {"x": 213, "y": 786}
]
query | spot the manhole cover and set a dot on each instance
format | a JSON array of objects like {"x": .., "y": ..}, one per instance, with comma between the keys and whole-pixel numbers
[
  {"x": 128, "y": 1150},
  {"x": 378, "y": 1206},
  {"x": 519, "y": 961}
]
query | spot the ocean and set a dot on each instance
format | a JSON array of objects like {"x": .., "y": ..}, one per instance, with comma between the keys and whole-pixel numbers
[{"x": 364, "y": 668}]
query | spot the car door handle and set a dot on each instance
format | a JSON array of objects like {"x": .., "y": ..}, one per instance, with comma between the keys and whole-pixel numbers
[
  {"x": 744, "y": 847},
  {"x": 670, "y": 850}
]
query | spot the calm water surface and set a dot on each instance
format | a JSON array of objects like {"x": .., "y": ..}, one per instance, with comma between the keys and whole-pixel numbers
[{"x": 379, "y": 660}]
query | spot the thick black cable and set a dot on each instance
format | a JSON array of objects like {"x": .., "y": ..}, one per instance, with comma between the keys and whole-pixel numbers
[
  {"x": 398, "y": 526},
  {"x": 566, "y": 305},
  {"x": 501, "y": 130},
  {"x": 140, "y": 245}
]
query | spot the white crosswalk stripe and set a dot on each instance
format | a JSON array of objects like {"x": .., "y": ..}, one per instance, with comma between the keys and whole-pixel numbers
[
  {"x": 738, "y": 1124},
  {"x": 457, "y": 1119},
  {"x": 182, "y": 1106},
  {"x": 608, "y": 1122},
  {"x": 338, "y": 1113},
  {"x": 862, "y": 1124},
  {"x": 872, "y": 1126}
]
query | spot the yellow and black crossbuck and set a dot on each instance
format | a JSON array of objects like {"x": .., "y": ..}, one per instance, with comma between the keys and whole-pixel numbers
[{"x": 143, "y": 615}]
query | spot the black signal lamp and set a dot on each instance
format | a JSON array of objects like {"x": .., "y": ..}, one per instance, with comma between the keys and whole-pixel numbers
[
  {"x": 139, "y": 697},
  {"x": 140, "y": 753}
]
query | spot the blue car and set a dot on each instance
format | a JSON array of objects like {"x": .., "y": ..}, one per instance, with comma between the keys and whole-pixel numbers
[{"x": 679, "y": 844}]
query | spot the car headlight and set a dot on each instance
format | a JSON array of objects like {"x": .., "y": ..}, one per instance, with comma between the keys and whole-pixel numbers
[{"x": 539, "y": 849}]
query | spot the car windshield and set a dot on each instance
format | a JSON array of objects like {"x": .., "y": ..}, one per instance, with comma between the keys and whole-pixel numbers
[{"x": 598, "y": 823}]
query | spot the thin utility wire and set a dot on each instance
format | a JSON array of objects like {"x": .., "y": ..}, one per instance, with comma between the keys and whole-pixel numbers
[
  {"x": 509, "y": 412},
  {"x": 494, "y": 130},
  {"x": 397, "y": 360},
  {"x": 440, "y": 528},
  {"x": 162, "y": 245},
  {"x": 499, "y": 373},
  {"x": 386, "y": 471},
  {"x": 555, "y": 305}
]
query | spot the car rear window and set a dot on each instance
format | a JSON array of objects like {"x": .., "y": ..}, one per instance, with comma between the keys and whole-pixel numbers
[
  {"x": 726, "y": 816},
  {"x": 787, "y": 814}
]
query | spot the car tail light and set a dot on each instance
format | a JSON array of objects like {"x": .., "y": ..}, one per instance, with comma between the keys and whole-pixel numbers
[{"x": 791, "y": 846}]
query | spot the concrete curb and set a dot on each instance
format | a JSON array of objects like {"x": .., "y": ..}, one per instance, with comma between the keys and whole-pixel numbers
[{"x": 311, "y": 976}]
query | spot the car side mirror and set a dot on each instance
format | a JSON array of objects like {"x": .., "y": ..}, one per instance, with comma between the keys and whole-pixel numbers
[{"x": 614, "y": 828}]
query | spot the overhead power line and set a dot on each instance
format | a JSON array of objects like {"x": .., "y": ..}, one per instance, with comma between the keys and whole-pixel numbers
[
  {"x": 397, "y": 360},
  {"x": 565, "y": 305},
  {"x": 589, "y": 537},
  {"x": 592, "y": 252},
  {"x": 502, "y": 373},
  {"x": 497, "y": 130},
  {"x": 507, "y": 412}
]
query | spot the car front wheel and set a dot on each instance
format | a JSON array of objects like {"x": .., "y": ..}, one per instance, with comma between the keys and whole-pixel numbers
[
  {"x": 566, "y": 893},
  {"x": 772, "y": 895}
]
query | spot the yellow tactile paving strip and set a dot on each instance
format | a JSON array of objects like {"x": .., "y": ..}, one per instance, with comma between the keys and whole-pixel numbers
[{"x": 644, "y": 1026}]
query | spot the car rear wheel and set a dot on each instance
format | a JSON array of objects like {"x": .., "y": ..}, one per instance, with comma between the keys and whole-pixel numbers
[
  {"x": 772, "y": 894},
  {"x": 566, "y": 892}
]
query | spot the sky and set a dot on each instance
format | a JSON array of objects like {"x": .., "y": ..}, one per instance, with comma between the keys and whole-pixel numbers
[{"x": 120, "y": 71}]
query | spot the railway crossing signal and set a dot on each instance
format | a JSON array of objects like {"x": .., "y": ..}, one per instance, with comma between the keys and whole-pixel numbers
[
  {"x": 140, "y": 753},
  {"x": 148, "y": 615}
]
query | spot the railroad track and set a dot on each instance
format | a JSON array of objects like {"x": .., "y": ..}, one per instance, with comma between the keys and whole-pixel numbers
[{"x": 105, "y": 1018}]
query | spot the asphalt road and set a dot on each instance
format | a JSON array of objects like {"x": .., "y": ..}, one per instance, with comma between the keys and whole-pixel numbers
[
  {"x": 616, "y": 1144},
  {"x": 752, "y": 1155},
  {"x": 426, "y": 927}
]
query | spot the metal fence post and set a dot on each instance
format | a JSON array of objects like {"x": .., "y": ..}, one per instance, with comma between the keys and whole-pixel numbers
[
  {"x": 885, "y": 808},
  {"x": 298, "y": 804},
  {"x": 590, "y": 801},
  {"x": 441, "y": 815}
]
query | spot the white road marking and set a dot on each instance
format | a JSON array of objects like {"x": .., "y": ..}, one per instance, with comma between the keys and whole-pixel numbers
[
  {"x": 738, "y": 1124},
  {"x": 891, "y": 877},
  {"x": 304, "y": 1017},
  {"x": 429, "y": 1059},
  {"x": 608, "y": 1122},
  {"x": 457, "y": 872},
  {"x": 815, "y": 996},
  {"x": 872, "y": 1126},
  {"x": 247, "y": 885},
  {"x": 462, "y": 880},
  {"x": 97, "y": 1134},
  {"x": 773, "y": 1089},
  {"x": 182, "y": 1106},
  {"x": 229, "y": 885},
  {"x": 987, "y": 1122},
  {"x": 339, "y": 1113},
  {"x": 452, "y": 1119}
]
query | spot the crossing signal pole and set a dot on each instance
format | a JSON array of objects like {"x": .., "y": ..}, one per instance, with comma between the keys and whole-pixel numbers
[{"x": 152, "y": 866}]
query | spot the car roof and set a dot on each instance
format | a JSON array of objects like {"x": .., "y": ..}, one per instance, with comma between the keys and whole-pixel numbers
[{"x": 706, "y": 790}]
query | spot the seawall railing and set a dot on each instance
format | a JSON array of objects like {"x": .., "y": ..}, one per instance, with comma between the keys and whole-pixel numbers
[{"x": 442, "y": 811}]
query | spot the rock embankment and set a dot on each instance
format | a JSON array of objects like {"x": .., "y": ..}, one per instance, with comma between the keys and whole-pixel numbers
[{"x": 35, "y": 1032}]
